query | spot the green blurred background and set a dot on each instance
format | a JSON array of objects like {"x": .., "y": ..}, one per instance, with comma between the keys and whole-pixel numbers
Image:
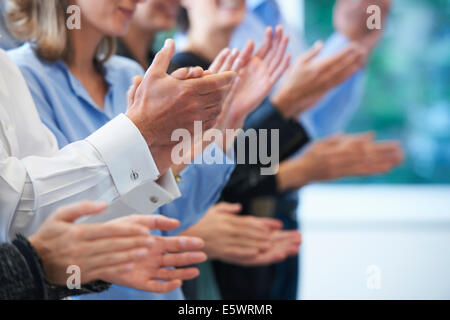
[{"x": 407, "y": 93}]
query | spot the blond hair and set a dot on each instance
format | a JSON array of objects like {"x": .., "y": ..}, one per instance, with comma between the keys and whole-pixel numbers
[{"x": 43, "y": 23}]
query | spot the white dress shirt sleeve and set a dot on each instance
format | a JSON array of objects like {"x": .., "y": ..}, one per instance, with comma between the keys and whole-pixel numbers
[{"x": 119, "y": 171}]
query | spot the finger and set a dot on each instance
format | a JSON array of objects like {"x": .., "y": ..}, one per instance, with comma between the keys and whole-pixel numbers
[
  {"x": 348, "y": 53},
  {"x": 230, "y": 208},
  {"x": 279, "y": 54},
  {"x": 220, "y": 60},
  {"x": 267, "y": 44},
  {"x": 116, "y": 258},
  {"x": 229, "y": 62},
  {"x": 183, "y": 259},
  {"x": 275, "y": 45},
  {"x": 244, "y": 57},
  {"x": 246, "y": 242},
  {"x": 160, "y": 287},
  {"x": 162, "y": 59},
  {"x": 132, "y": 91},
  {"x": 103, "y": 246},
  {"x": 152, "y": 222},
  {"x": 188, "y": 73},
  {"x": 238, "y": 253},
  {"x": 180, "y": 273},
  {"x": 312, "y": 53},
  {"x": 112, "y": 230},
  {"x": 71, "y": 213},
  {"x": 272, "y": 224},
  {"x": 212, "y": 83},
  {"x": 180, "y": 243},
  {"x": 281, "y": 69},
  {"x": 195, "y": 72}
]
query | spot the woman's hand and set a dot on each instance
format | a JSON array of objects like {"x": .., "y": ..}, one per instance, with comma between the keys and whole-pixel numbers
[
  {"x": 309, "y": 79},
  {"x": 257, "y": 75},
  {"x": 338, "y": 157}
]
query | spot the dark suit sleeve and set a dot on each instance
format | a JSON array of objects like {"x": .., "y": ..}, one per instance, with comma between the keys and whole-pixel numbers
[
  {"x": 22, "y": 275},
  {"x": 246, "y": 180}
]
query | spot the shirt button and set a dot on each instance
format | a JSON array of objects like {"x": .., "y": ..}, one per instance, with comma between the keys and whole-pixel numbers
[
  {"x": 154, "y": 200},
  {"x": 134, "y": 175}
]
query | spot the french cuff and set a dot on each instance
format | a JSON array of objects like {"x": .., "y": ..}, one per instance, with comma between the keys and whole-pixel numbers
[
  {"x": 144, "y": 199},
  {"x": 125, "y": 153}
]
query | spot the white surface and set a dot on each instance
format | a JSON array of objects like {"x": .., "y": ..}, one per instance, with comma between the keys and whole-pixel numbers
[{"x": 403, "y": 231}]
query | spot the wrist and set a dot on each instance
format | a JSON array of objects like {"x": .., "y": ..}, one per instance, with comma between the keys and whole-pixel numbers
[
  {"x": 161, "y": 150},
  {"x": 291, "y": 176},
  {"x": 282, "y": 102}
]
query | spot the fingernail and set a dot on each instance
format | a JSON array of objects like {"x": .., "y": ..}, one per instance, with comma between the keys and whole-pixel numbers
[{"x": 166, "y": 43}]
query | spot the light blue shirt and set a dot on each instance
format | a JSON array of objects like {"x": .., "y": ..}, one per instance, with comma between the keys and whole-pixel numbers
[
  {"x": 67, "y": 109},
  {"x": 336, "y": 109}
]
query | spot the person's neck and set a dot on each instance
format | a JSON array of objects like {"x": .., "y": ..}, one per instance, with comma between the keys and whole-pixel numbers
[
  {"x": 208, "y": 43},
  {"x": 139, "y": 42},
  {"x": 84, "y": 45}
]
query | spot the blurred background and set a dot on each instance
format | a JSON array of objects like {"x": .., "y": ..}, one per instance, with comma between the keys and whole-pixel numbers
[
  {"x": 388, "y": 237},
  {"x": 385, "y": 237}
]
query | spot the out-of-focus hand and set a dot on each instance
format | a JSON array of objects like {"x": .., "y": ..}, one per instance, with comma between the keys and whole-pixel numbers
[
  {"x": 350, "y": 18},
  {"x": 284, "y": 244},
  {"x": 96, "y": 249},
  {"x": 162, "y": 103},
  {"x": 338, "y": 157},
  {"x": 159, "y": 270},
  {"x": 257, "y": 75},
  {"x": 309, "y": 79},
  {"x": 229, "y": 237}
]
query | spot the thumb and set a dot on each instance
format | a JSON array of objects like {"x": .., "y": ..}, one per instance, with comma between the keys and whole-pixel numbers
[
  {"x": 312, "y": 53},
  {"x": 132, "y": 91},
  {"x": 229, "y": 208},
  {"x": 162, "y": 59},
  {"x": 75, "y": 211}
]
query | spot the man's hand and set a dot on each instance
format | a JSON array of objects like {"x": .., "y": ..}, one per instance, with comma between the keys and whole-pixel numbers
[
  {"x": 163, "y": 103},
  {"x": 339, "y": 157},
  {"x": 350, "y": 18},
  {"x": 309, "y": 79},
  {"x": 158, "y": 270},
  {"x": 96, "y": 249},
  {"x": 229, "y": 237}
]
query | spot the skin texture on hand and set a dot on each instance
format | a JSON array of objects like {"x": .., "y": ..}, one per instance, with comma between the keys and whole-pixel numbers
[
  {"x": 309, "y": 79},
  {"x": 165, "y": 266},
  {"x": 244, "y": 240},
  {"x": 338, "y": 157},
  {"x": 256, "y": 77},
  {"x": 162, "y": 103},
  {"x": 96, "y": 249},
  {"x": 121, "y": 251}
]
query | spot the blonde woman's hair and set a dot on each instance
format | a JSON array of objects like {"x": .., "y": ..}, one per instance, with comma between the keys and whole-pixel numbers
[{"x": 43, "y": 23}]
